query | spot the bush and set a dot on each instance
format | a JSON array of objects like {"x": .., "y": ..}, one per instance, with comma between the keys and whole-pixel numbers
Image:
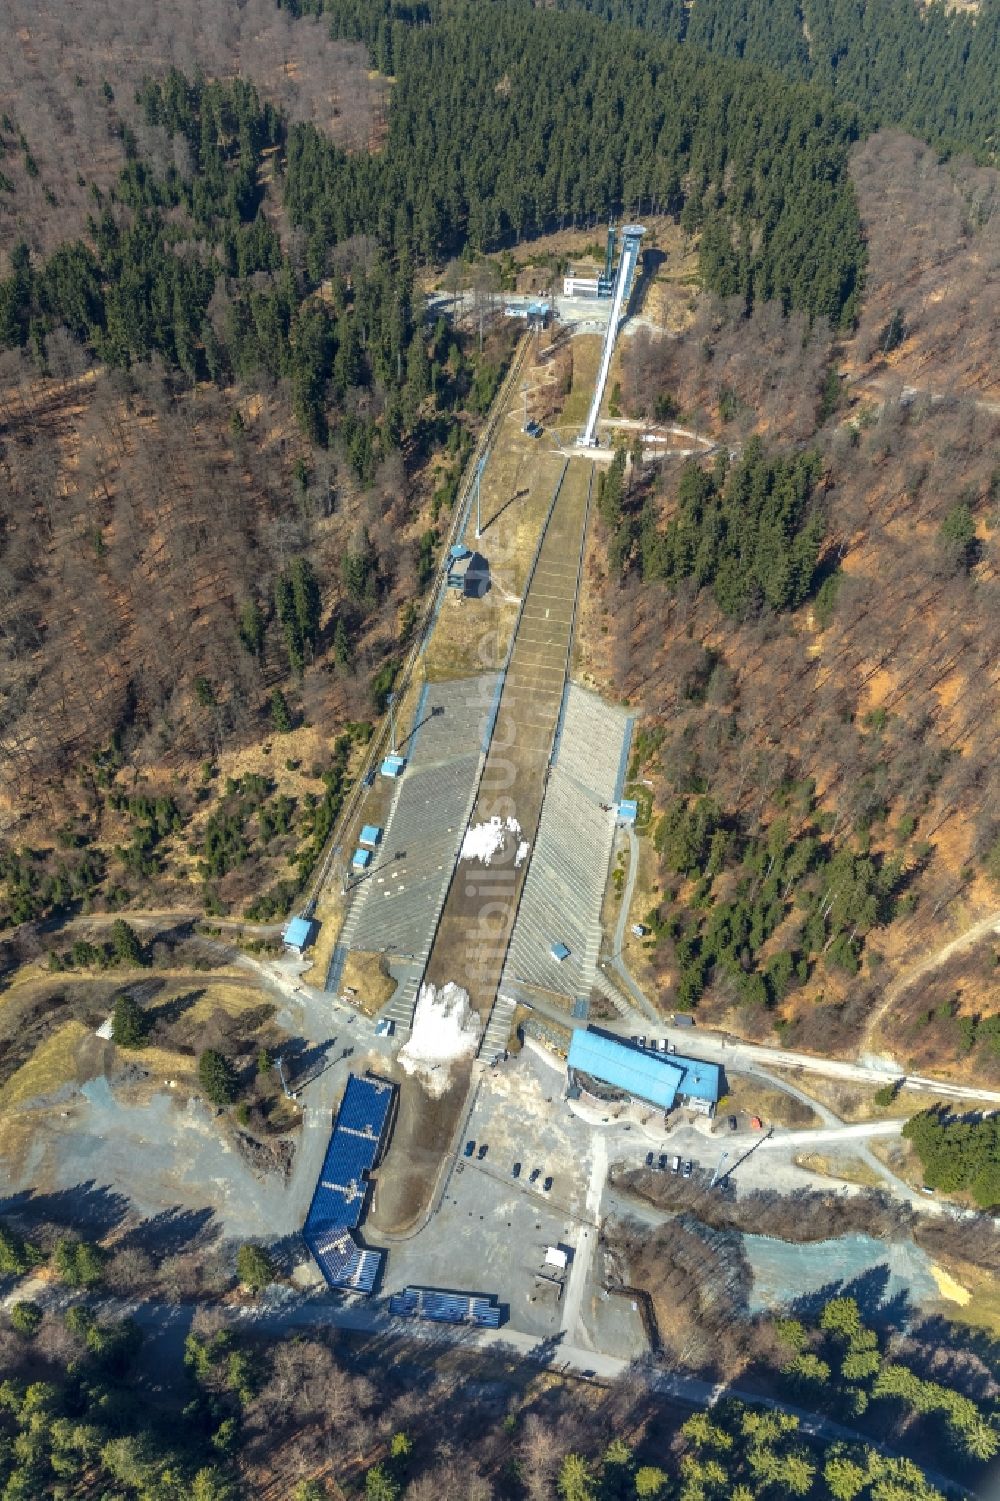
[
  {"x": 78, "y": 1263},
  {"x": 129, "y": 1024},
  {"x": 217, "y": 1077},
  {"x": 255, "y": 1267},
  {"x": 25, "y": 1317}
]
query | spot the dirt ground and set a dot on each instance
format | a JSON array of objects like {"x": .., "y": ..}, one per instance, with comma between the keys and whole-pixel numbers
[
  {"x": 421, "y": 1136},
  {"x": 855, "y": 1103},
  {"x": 517, "y": 486},
  {"x": 844, "y": 1168},
  {"x": 774, "y": 1107}
]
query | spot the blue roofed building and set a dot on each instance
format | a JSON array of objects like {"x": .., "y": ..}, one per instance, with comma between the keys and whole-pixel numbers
[
  {"x": 628, "y": 810},
  {"x": 660, "y": 1079},
  {"x": 370, "y": 836},
  {"x": 298, "y": 934},
  {"x": 361, "y": 859},
  {"x": 341, "y": 1195}
]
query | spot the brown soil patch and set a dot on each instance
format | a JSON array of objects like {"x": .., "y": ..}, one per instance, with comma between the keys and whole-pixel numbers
[
  {"x": 423, "y": 1133},
  {"x": 369, "y": 975},
  {"x": 846, "y": 1169},
  {"x": 774, "y": 1107}
]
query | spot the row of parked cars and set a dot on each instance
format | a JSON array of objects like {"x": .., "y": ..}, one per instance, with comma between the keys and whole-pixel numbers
[
  {"x": 675, "y": 1165},
  {"x": 533, "y": 1176},
  {"x": 651, "y": 1044},
  {"x": 515, "y": 1172}
]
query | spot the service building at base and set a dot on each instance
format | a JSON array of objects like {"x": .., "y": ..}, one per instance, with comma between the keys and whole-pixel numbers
[{"x": 661, "y": 1079}]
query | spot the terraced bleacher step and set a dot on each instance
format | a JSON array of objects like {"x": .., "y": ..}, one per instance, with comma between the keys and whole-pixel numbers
[{"x": 497, "y": 1030}]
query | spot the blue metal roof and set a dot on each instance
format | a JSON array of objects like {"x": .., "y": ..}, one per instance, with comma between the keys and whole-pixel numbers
[
  {"x": 647, "y": 1075},
  {"x": 628, "y": 810},
  {"x": 298, "y": 932},
  {"x": 393, "y": 766},
  {"x": 559, "y": 951},
  {"x": 370, "y": 835},
  {"x": 361, "y": 859},
  {"x": 338, "y": 1201},
  {"x": 656, "y": 1077},
  {"x": 701, "y": 1080}
]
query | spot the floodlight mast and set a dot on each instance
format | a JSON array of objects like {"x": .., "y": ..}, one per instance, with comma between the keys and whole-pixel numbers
[{"x": 479, "y": 474}]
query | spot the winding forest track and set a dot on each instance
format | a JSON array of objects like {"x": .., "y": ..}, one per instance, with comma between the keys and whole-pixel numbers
[{"x": 986, "y": 927}]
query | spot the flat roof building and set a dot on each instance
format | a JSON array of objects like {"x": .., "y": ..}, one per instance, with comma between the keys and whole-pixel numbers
[
  {"x": 393, "y": 766},
  {"x": 361, "y": 859},
  {"x": 370, "y": 836},
  {"x": 661, "y": 1080}
]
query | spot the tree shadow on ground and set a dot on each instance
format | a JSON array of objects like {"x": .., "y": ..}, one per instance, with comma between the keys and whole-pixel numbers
[
  {"x": 869, "y": 1290},
  {"x": 93, "y": 1209},
  {"x": 303, "y": 1062},
  {"x": 171, "y": 1232},
  {"x": 173, "y": 1009}
]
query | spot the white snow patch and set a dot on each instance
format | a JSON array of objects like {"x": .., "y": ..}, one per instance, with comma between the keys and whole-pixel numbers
[
  {"x": 104, "y": 1030},
  {"x": 484, "y": 840},
  {"x": 445, "y": 1030},
  {"x": 522, "y": 851}
]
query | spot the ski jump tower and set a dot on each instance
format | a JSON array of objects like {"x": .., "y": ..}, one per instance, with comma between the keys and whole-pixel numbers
[{"x": 631, "y": 235}]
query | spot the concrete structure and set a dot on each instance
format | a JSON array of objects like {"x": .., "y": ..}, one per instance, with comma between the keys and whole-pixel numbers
[
  {"x": 568, "y": 867},
  {"x": 298, "y": 934},
  {"x": 631, "y": 235},
  {"x": 580, "y": 286},
  {"x": 664, "y": 1080},
  {"x": 469, "y": 575},
  {"x": 394, "y": 911}
]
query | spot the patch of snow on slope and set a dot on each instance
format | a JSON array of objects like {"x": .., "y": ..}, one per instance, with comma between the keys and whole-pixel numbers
[
  {"x": 484, "y": 840},
  {"x": 445, "y": 1031}
]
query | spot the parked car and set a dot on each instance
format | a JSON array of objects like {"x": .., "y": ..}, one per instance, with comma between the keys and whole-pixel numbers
[
  {"x": 675, "y": 1166},
  {"x": 688, "y": 1168},
  {"x": 733, "y": 1123},
  {"x": 650, "y": 1156},
  {"x": 536, "y": 1173},
  {"x": 515, "y": 1171},
  {"x": 663, "y": 1162},
  {"x": 533, "y": 429},
  {"x": 639, "y": 930},
  {"x": 470, "y": 1147},
  {"x": 546, "y": 1185},
  {"x": 369, "y": 779},
  {"x": 482, "y": 1151}
]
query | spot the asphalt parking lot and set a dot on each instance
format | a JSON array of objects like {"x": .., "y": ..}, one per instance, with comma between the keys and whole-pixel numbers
[{"x": 491, "y": 1231}]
